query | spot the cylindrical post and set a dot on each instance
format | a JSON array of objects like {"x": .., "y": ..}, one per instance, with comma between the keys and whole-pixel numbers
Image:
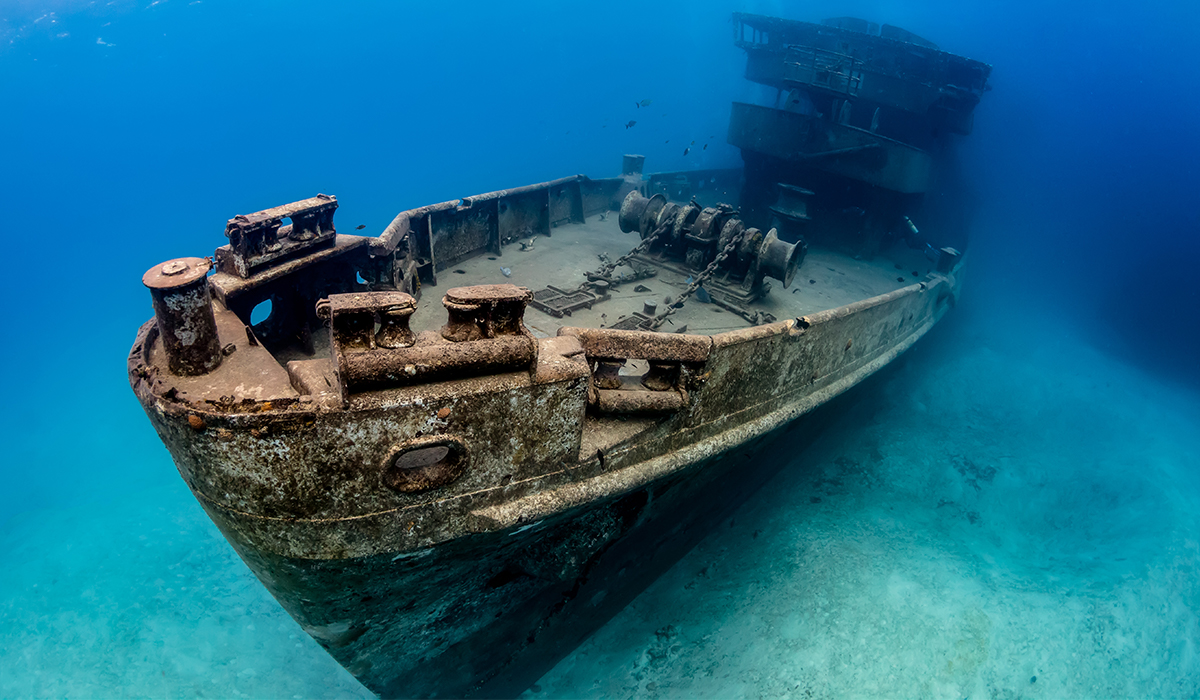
[
  {"x": 947, "y": 259},
  {"x": 183, "y": 312}
]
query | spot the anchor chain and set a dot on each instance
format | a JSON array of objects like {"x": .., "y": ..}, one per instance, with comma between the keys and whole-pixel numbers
[
  {"x": 607, "y": 268},
  {"x": 699, "y": 280}
]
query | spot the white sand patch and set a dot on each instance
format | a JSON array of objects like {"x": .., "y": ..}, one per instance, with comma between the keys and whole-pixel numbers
[
  {"x": 987, "y": 522},
  {"x": 144, "y": 598}
]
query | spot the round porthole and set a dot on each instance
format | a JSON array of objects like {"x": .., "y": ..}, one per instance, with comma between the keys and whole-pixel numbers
[{"x": 423, "y": 464}]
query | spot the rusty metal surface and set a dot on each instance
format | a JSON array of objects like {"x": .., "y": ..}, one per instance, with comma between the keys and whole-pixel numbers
[
  {"x": 485, "y": 311},
  {"x": 248, "y": 373},
  {"x": 298, "y": 463},
  {"x": 708, "y": 239},
  {"x": 561, "y": 302},
  {"x": 184, "y": 316},
  {"x": 450, "y": 231},
  {"x": 306, "y": 496},
  {"x": 271, "y": 462},
  {"x": 836, "y": 148},
  {"x": 260, "y": 239},
  {"x": 473, "y": 591},
  {"x": 646, "y": 345},
  {"x": 447, "y": 499},
  {"x": 374, "y": 348},
  {"x": 620, "y": 401},
  {"x": 346, "y": 249},
  {"x": 414, "y": 498},
  {"x": 889, "y": 67},
  {"x": 599, "y": 557},
  {"x": 418, "y": 243},
  {"x": 381, "y": 369}
]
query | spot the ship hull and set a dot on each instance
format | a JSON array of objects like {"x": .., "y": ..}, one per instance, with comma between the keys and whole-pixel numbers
[
  {"x": 490, "y": 613},
  {"x": 449, "y": 500},
  {"x": 479, "y": 594}
]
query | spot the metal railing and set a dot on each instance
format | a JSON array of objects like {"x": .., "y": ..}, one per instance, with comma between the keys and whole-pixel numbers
[{"x": 824, "y": 69}]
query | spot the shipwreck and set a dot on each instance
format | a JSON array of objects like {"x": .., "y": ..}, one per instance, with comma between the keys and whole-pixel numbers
[{"x": 453, "y": 449}]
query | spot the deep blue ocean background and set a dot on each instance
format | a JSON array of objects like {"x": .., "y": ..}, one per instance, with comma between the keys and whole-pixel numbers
[{"x": 133, "y": 129}]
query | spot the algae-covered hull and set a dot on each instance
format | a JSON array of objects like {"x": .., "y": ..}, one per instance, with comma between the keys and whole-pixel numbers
[{"x": 479, "y": 590}]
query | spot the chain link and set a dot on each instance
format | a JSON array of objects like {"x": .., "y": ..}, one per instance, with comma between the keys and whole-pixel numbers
[
  {"x": 607, "y": 268},
  {"x": 604, "y": 271},
  {"x": 699, "y": 280}
]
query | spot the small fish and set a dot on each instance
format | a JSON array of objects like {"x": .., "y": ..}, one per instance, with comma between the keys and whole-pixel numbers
[
  {"x": 643, "y": 103},
  {"x": 360, "y": 227},
  {"x": 899, "y": 279},
  {"x": 687, "y": 150},
  {"x": 693, "y": 143},
  {"x": 705, "y": 147},
  {"x": 507, "y": 272},
  {"x": 630, "y": 124}
]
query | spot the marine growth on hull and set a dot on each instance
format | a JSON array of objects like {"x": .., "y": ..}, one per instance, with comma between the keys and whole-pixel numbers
[{"x": 511, "y": 383}]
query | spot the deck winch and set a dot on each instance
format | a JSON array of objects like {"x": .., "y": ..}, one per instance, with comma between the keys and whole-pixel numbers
[{"x": 698, "y": 234}]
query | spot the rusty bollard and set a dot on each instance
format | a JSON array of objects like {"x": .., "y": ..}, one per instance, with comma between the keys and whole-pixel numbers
[
  {"x": 183, "y": 312},
  {"x": 484, "y": 311},
  {"x": 393, "y": 322}
]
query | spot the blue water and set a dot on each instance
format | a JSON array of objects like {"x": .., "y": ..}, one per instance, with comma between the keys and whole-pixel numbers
[{"x": 1011, "y": 511}]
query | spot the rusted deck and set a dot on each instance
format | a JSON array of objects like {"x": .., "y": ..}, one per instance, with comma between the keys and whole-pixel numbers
[
  {"x": 460, "y": 463},
  {"x": 826, "y": 279}
]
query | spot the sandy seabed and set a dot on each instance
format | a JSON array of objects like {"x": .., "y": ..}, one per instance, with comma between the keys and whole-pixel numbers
[{"x": 996, "y": 517}]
